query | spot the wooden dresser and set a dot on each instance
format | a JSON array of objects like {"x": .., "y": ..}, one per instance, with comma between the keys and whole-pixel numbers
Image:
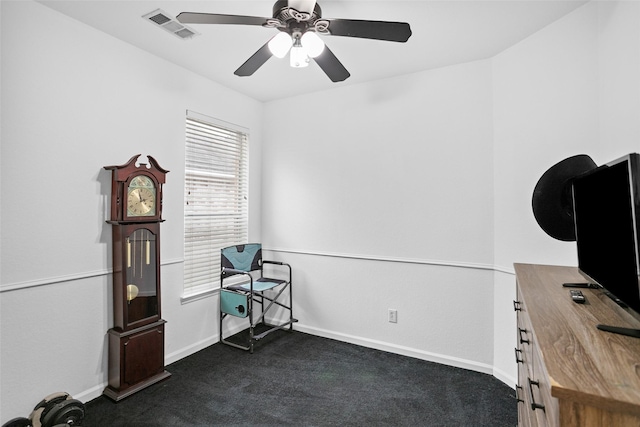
[{"x": 569, "y": 372}]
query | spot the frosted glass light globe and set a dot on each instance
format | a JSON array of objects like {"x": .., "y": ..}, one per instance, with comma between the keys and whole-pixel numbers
[
  {"x": 312, "y": 43},
  {"x": 298, "y": 57},
  {"x": 280, "y": 44}
]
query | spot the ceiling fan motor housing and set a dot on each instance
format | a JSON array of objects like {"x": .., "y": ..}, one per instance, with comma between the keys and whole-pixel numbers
[{"x": 293, "y": 21}]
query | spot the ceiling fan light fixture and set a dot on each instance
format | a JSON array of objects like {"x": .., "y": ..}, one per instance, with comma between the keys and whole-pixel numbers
[
  {"x": 280, "y": 45},
  {"x": 298, "y": 56},
  {"x": 312, "y": 43},
  {"x": 296, "y": 18}
]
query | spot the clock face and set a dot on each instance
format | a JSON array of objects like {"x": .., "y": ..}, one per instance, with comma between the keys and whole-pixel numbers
[{"x": 141, "y": 197}]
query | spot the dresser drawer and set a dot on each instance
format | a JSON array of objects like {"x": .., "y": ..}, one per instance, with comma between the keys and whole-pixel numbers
[
  {"x": 526, "y": 417},
  {"x": 543, "y": 398},
  {"x": 524, "y": 337},
  {"x": 527, "y": 392}
]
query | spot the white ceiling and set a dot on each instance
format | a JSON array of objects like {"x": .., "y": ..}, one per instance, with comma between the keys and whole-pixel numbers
[{"x": 444, "y": 33}]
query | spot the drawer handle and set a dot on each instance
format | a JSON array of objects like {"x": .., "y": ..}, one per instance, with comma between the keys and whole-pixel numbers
[
  {"x": 516, "y": 305},
  {"x": 523, "y": 340},
  {"x": 518, "y": 389},
  {"x": 518, "y": 353},
  {"x": 534, "y": 405}
]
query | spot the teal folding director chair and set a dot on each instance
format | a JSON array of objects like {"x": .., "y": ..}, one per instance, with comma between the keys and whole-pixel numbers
[{"x": 246, "y": 294}]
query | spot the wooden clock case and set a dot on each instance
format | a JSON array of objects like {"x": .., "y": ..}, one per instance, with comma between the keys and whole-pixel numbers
[{"x": 136, "y": 341}]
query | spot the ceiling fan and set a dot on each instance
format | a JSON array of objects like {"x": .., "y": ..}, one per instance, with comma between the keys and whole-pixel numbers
[{"x": 299, "y": 22}]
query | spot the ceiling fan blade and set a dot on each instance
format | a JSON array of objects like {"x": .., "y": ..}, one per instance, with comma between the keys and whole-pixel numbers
[
  {"x": 332, "y": 66},
  {"x": 377, "y": 30},
  {"x": 256, "y": 61},
  {"x": 214, "y": 18}
]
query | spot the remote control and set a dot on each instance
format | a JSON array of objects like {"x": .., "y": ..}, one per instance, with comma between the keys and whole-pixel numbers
[{"x": 577, "y": 296}]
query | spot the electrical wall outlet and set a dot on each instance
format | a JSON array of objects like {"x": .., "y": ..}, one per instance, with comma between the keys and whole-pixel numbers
[{"x": 393, "y": 315}]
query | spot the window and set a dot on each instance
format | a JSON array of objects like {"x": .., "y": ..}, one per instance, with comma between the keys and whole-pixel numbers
[{"x": 216, "y": 206}]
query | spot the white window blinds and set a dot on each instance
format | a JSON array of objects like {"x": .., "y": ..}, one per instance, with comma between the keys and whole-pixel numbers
[{"x": 216, "y": 205}]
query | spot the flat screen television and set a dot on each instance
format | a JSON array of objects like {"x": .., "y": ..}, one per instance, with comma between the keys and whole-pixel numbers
[{"x": 606, "y": 202}]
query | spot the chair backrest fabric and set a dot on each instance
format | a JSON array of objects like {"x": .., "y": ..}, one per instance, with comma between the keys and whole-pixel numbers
[{"x": 242, "y": 257}]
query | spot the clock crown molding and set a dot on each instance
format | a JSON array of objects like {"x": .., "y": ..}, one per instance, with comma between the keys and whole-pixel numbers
[{"x": 122, "y": 173}]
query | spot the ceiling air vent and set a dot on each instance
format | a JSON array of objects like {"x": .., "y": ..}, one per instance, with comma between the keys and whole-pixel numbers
[{"x": 169, "y": 23}]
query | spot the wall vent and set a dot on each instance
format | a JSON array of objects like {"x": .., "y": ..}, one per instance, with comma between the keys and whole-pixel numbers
[{"x": 168, "y": 23}]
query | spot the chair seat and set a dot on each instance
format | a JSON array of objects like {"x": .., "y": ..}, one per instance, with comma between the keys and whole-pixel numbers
[{"x": 262, "y": 284}]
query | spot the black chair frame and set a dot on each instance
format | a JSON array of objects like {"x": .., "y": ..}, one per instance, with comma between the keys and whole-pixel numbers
[{"x": 254, "y": 298}]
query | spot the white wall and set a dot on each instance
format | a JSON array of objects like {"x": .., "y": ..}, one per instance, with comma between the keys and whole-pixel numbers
[
  {"x": 384, "y": 200},
  {"x": 73, "y": 101},
  {"x": 618, "y": 83},
  {"x": 545, "y": 110},
  {"x": 346, "y": 164},
  {"x": 571, "y": 88}
]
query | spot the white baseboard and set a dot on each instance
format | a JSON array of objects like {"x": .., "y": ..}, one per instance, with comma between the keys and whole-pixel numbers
[
  {"x": 505, "y": 378},
  {"x": 91, "y": 393},
  {"x": 189, "y": 350},
  {"x": 402, "y": 350}
]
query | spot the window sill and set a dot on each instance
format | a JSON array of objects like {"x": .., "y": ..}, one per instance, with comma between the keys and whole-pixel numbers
[{"x": 198, "y": 295}]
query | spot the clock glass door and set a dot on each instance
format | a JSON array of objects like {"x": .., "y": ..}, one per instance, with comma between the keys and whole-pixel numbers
[
  {"x": 141, "y": 197},
  {"x": 141, "y": 285}
]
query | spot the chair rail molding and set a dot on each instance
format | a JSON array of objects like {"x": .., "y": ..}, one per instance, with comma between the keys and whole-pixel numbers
[
  {"x": 366, "y": 257},
  {"x": 68, "y": 278}
]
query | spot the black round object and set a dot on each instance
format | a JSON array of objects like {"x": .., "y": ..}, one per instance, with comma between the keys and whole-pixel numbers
[
  {"x": 18, "y": 422},
  {"x": 69, "y": 412},
  {"x": 51, "y": 400},
  {"x": 552, "y": 201},
  {"x": 56, "y": 409},
  {"x": 41, "y": 413}
]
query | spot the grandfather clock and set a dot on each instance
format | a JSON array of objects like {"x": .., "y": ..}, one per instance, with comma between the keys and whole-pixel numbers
[{"x": 136, "y": 341}]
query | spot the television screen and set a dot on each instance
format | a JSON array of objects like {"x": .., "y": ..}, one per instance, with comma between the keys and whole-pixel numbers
[{"x": 607, "y": 220}]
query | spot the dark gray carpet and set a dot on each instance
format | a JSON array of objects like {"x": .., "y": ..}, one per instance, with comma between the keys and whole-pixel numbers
[{"x": 297, "y": 379}]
